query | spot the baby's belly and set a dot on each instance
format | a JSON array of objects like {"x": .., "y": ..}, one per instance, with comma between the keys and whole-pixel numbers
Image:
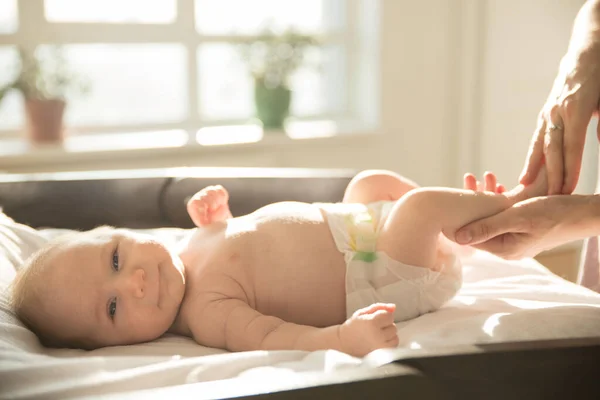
[
  {"x": 311, "y": 291},
  {"x": 298, "y": 274}
]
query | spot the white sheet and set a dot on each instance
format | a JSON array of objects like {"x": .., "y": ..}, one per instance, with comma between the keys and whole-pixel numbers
[{"x": 500, "y": 301}]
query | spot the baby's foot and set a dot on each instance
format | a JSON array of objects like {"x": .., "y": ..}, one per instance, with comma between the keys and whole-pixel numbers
[{"x": 489, "y": 184}]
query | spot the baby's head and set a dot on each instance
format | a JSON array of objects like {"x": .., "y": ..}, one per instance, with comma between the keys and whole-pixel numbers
[{"x": 100, "y": 288}]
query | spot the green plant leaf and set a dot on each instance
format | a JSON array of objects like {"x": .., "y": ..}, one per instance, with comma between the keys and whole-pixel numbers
[
  {"x": 48, "y": 77},
  {"x": 273, "y": 57}
]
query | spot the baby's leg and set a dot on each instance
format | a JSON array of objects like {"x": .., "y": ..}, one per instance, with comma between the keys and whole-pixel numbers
[
  {"x": 410, "y": 234},
  {"x": 377, "y": 185}
]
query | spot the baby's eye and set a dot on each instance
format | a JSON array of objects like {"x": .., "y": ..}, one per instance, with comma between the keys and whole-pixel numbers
[
  {"x": 112, "y": 308},
  {"x": 115, "y": 260}
]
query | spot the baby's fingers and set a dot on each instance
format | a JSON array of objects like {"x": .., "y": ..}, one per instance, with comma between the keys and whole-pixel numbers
[
  {"x": 199, "y": 215},
  {"x": 390, "y": 333},
  {"x": 383, "y": 318},
  {"x": 373, "y": 308}
]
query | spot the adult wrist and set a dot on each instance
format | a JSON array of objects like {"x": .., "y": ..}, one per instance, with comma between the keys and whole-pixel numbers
[{"x": 590, "y": 214}]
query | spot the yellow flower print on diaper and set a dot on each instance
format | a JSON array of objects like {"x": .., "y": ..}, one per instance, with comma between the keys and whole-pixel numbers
[{"x": 361, "y": 232}]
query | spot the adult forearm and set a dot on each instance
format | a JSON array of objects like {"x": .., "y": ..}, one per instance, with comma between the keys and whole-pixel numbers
[
  {"x": 579, "y": 216},
  {"x": 589, "y": 216}
]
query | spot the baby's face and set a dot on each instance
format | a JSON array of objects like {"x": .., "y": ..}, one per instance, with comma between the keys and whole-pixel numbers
[{"x": 114, "y": 287}]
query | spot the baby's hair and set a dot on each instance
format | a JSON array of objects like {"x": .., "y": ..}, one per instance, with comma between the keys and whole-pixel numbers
[{"x": 26, "y": 296}]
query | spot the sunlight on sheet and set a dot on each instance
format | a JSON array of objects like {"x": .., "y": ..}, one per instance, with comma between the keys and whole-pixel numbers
[
  {"x": 492, "y": 322},
  {"x": 466, "y": 300},
  {"x": 536, "y": 305}
]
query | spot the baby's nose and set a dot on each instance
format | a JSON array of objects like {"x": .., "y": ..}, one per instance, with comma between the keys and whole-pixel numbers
[{"x": 137, "y": 283}]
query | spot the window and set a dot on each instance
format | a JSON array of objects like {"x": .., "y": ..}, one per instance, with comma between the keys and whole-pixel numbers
[{"x": 174, "y": 64}]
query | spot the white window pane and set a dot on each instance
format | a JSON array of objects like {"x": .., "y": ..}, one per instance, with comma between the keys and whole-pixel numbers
[
  {"x": 248, "y": 17},
  {"x": 11, "y": 106},
  {"x": 224, "y": 83},
  {"x": 130, "y": 84},
  {"x": 320, "y": 86},
  {"x": 8, "y": 16},
  {"x": 111, "y": 11}
]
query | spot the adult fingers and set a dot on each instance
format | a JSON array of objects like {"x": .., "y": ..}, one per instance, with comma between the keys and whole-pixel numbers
[
  {"x": 553, "y": 151},
  {"x": 576, "y": 123},
  {"x": 505, "y": 245},
  {"x": 484, "y": 229},
  {"x": 535, "y": 154}
]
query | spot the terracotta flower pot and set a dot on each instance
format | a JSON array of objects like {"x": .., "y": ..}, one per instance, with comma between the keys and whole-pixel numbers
[{"x": 44, "y": 120}]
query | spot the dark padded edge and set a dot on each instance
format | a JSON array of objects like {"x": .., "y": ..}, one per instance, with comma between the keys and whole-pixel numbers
[
  {"x": 541, "y": 369},
  {"x": 83, "y": 205},
  {"x": 251, "y": 193}
]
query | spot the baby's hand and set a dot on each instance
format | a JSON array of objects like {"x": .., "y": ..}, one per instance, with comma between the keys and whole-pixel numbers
[
  {"x": 209, "y": 205},
  {"x": 490, "y": 183},
  {"x": 369, "y": 329}
]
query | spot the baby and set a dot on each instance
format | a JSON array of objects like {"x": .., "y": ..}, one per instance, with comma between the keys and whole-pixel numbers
[{"x": 288, "y": 276}]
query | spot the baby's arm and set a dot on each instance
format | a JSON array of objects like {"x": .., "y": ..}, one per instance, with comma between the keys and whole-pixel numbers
[
  {"x": 233, "y": 325},
  {"x": 377, "y": 185},
  {"x": 209, "y": 205}
]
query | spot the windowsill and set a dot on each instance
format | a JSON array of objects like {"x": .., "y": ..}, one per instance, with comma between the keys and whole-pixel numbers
[{"x": 16, "y": 155}]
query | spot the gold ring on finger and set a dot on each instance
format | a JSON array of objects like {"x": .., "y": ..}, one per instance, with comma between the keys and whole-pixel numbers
[{"x": 554, "y": 127}]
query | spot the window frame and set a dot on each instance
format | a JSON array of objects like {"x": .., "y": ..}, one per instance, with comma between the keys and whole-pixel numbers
[{"x": 33, "y": 30}]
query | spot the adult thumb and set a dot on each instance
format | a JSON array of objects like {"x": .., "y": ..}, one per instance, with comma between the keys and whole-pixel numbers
[{"x": 481, "y": 230}]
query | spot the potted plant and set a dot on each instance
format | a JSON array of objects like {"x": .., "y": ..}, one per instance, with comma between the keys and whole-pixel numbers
[
  {"x": 43, "y": 85},
  {"x": 271, "y": 59}
]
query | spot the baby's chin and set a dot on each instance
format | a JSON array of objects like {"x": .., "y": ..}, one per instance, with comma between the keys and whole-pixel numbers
[{"x": 173, "y": 276}]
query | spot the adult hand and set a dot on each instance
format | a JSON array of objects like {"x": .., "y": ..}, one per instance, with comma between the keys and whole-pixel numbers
[
  {"x": 559, "y": 138},
  {"x": 533, "y": 225}
]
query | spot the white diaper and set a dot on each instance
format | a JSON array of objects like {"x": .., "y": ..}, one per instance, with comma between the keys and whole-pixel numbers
[{"x": 373, "y": 277}]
